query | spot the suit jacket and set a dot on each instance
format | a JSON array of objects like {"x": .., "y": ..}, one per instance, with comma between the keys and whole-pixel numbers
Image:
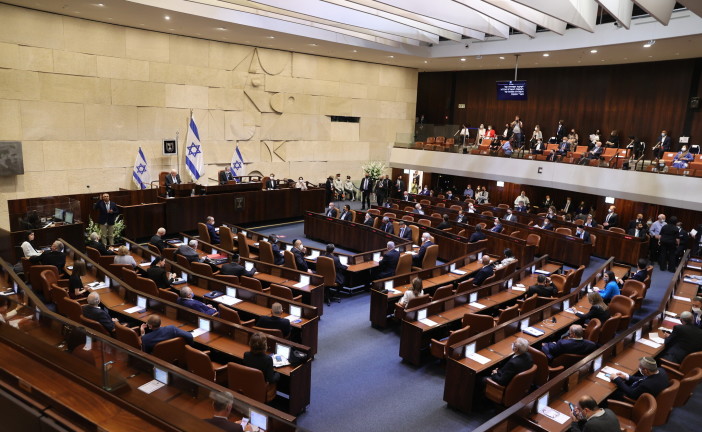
[
  {"x": 642, "y": 232},
  {"x": 225, "y": 424},
  {"x": 568, "y": 207},
  {"x": 388, "y": 228},
  {"x": 170, "y": 182},
  {"x": 274, "y": 322},
  {"x": 234, "y": 269},
  {"x": 347, "y": 216},
  {"x": 510, "y": 217},
  {"x": 331, "y": 212},
  {"x": 542, "y": 290},
  {"x": 158, "y": 242},
  {"x": 388, "y": 264},
  {"x": 594, "y": 313},
  {"x": 100, "y": 247},
  {"x": 632, "y": 223},
  {"x": 640, "y": 275},
  {"x": 406, "y": 234},
  {"x": 278, "y": 257},
  {"x": 607, "y": 422},
  {"x": 300, "y": 260},
  {"x": 262, "y": 362},
  {"x": 476, "y": 237},
  {"x": 613, "y": 220},
  {"x": 50, "y": 257},
  {"x": 515, "y": 365},
  {"x": 149, "y": 340},
  {"x": 638, "y": 384},
  {"x": 595, "y": 153},
  {"x": 196, "y": 305},
  {"x": 417, "y": 211},
  {"x": 568, "y": 346},
  {"x": 401, "y": 188},
  {"x": 417, "y": 259},
  {"x": 340, "y": 268},
  {"x": 685, "y": 339},
  {"x": 103, "y": 216},
  {"x": 665, "y": 142},
  {"x": 497, "y": 228},
  {"x": 462, "y": 218},
  {"x": 366, "y": 184},
  {"x": 189, "y": 253},
  {"x": 521, "y": 209},
  {"x": 214, "y": 237},
  {"x": 370, "y": 222},
  {"x": 271, "y": 184},
  {"x": 158, "y": 275},
  {"x": 482, "y": 274},
  {"x": 585, "y": 236},
  {"x": 225, "y": 176},
  {"x": 548, "y": 226},
  {"x": 100, "y": 315},
  {"x": 443, "y": 225}
]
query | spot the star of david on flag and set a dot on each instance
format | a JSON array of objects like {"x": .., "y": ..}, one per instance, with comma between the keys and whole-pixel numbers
[
  {"x": 141, "y": 174},
  {"x": 237, "y": 163},
  {"x": 194, "y": 159}
]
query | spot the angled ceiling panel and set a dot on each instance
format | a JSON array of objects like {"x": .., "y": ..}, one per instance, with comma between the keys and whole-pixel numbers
[
  {"x": 580, "y": 13},
  {"x": 507, "y": 18},
  {"x": 659, "y": 9},
  {"x": 539, "y": 18},
  {"x": 621, "y": 10}
]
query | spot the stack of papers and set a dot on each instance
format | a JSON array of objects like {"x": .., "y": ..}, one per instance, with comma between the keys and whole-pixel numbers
[
  {"x": 227, "y": 300},
  {"x": 477, "y": 305},
  {"x": 693, "y": 281},
  {"x": 518, "y": 287},
  {"x": 531, "y": 331},
  {"x": 544, "y": 272},
  {"x": 655, "y": 338},
  {"x": 134, "y": 309},
  {"x": 649, "y": 343},
  {"x": 458, "y": 272},
  {"x": 428, "y": 322},
  {"x": 672, "y": 320},
  {"x": 97, "y": 285},
  {"x": 151, "y": 386},
  {"x": 607, "y": 372},
  {"x": 477, "y": 357},
  {"x": 301, "y": 284},
  {"x": 198, "y": 331},
  {"x": 393, "y": 291},
  {"x": 293, "y": 318}
]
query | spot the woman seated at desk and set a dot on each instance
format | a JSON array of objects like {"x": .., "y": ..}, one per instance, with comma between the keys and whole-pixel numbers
[
  {"x": 416, "y": 291},
  {"x": 611, "y": 288},
  {"x": 123, "y": 257},
  {"x": 75, "y": 283},
  {"x": 258, "y": 359},
  {"x": 598, "y": 309},
  {"x": 28, "y": 247}
]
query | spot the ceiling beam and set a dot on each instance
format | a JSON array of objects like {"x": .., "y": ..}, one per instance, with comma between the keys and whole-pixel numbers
[
  {"x": 507, "y": 18},
  {"x": 539, "y": 18},
  {"x": 659, "y": 9},
  {"x": 580, "y": 13},
  {"x": 695, "y": 6},
  {"x": 621, "y": 10}
]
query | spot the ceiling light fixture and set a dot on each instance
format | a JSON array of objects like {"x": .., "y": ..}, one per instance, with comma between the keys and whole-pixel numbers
[
  {"x": 502, "y": 58},
  {"x": 167, "y": 18},
  {"x": 593, "y": 51},
  {"x": 391, "y": 56},
  {"x": 270, "y": 37},
  {"x": 100, "y": 5},
  {"x": 546, "y": 54},
  {"x": 649, "y": 44},
  {"x": 463, "y": 59},
  {"x": 221, "y": 29}
]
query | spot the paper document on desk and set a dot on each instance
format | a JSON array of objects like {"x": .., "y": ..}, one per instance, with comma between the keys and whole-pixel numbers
[
  {"x": 477, "y": 357},
  {"x": 292, "y": 318},
  {"x": 670, "y": 314},
  {"x": 134, "y": 309},
  {"x": 197, "y": 332},
  {"x": 655, "y": 338},
  {"x": 554, "y": 415},
  {"x": 393, "y": 291},
  {"x": 649, "y": 343},
  {"x": 97, "y": 285},
  {"x": 606, "y": 372},
  {"x": 685, "y": 299},
  {"x": 672, "y": 320},
  {"x": 151, "y": 386},
  {"x": 227, "y": 300},
  {"x": 428, "y": 322},
  {"x": 693, "y": 281},
  {"x": 531, "y": 331},
  {"x": 518, "y": 287},
  {"x": 458, "y": 272},
  {"x": 543, "y": 272},
  {"x": 477, "y": 305},
  {"x": 145, "y": 264}
]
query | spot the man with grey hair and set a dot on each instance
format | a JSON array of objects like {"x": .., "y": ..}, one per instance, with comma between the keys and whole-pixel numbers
[
  {"x": 685, "y": 339},
  {"x": 188, "y": 251},
  {"x": 186, "y": 299},
  {"x": 95, "y": 243},
  {"x": 275, "y": 321},
  {"x": 222, "y": 403},
  {"x": 426, "y": 242},
  {"x": 171, "y": 179},
  {"x": 157, "y": 239},
  {"x": 387, "y": 226},
  {"x": 55, "y": 257},
  {"x": 649, "y": 379},
  {"x": 573, "y": 344},
  {"x": 418, "y": 209},
  {"x": 94, "y": 312},
  {"x": 388, "y": 262},
  {"x": 520, "y": 361}
]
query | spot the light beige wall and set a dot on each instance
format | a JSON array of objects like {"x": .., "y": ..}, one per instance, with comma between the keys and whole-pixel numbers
[{"x": 84, "y": 96}]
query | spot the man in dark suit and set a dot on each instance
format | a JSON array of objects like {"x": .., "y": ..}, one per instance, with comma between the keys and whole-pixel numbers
[
  {"x": 668, "y": 244},
  {"x": 95, "y": 243},
  {"x": 54, "y": 256},
  {"x": 543, "y": 288},
  {"x": 94, "y": 312},
  {"x": 547, "y": 225},
  {"x": 649, "y": 379},
  {"x": 696, "y": 311},
  {"x": 157, "y": 239},
  {"x": 382, "y": 188},
  {"x": 107, "y": 214},
  {"x": 561, "y": 150},
  {"x": 271, "y": 183},
  {"x": 211, "y": 230},
  {"x": 171, "y": 179},
  {"x": 591, "y": 418},
  {"x": 366, "y": 189},
  {"x": 299, "y": 251},
  {"x": 509, "y": 217},
  {"x": 404, "y": 232},
  {"x": 222, "y": 405},
  {"x": 573, "y": 344},
  {"x": 634, "y": 222},
  {"x": 329, "y": 189},
  {"x": 235, "y": 269},
  {"x": 593, "y": 154},
  {"x": 331, "y": 211},
  {"x": 426, "y": 242},
  {"x": 520, "y": 362},
  {"x": 444, "y": 223},
  {"x": 612, "y": 219},
  {"x": 275, "y": 321},
  {"x": 225, "y": 176},
  {"x": 686, "y": 338},
  {"x": 568, "y": 206},
  {"x": 338, "y": 266},
  {"x": 418, "y": 209},
  {"x": 641, "y": 272},
  {"x": 388, "y": 262},
  {"x": 485, "y": 271},
  {"x": 157, "y": 273},
  {"x": 387, "y": 226},
  {"x": 662, "y": 145},
  {"x": 346, "y": 213},
  {"x": 399, "y": 187},
  {"x": 186, "y": 299},
  {"x": 278, "y": 257},
  {"x": 560, "y": 130},
  {"x": 477, "y": 235},
  {"x": 188, "y": 251},
  {"x": 158, "y": 334},
  {"x": 581, "y": 233},
  {"x": 461, "y": 218},
  {"x": 521, "y": 207},
  {"x": 638, "y": 231}
]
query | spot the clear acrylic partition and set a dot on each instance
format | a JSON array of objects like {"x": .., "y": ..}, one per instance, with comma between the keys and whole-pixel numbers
[{"x": 48, "y": 209}]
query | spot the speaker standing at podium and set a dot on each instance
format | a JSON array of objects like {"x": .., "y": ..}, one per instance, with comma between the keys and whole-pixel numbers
[{"x": 108, "y": 212}]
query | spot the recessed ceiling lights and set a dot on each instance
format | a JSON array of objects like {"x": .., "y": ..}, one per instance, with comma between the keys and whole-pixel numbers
[
  {"x": 463, "y": 59},
  {"x": 546, "y": 54},
  {"x": 100, "y": 5},
  {"x": 391, "y": 56},
  {"x": 313, "y": 44},
  {"x": 167, "y": 18},
  {"x": 593, "y": 51},
  {"x": 502, "y": 58},
  {"x": 221, "y": 29},
  {"x": 649, "y": 44},
  {"x": 270, "y": 37},
  {"x": 354, "y": 50},
  {"x": 426, "y": 61}
]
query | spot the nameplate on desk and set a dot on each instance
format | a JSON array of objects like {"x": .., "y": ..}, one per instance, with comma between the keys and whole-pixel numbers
[
  {"x": 388, "y": 285},
  {"x": 672, "y": 320},
  {"x": 477, "y": 305},
  {"x": 458, "y": 272},
  {"x": 428, "y": 322},
  {"x": 649, "y": 343},
  {"x": 288, "y": 247},
  {"x": 566, "y": 304},
  {"x": 452, "y": 267},
  {"x": 478, "y": 358},
  {"x": 376, "y": 256},
  {"x": 685, "y": 299},
  {"x": 227, "y": 300},
  {"x": 469, "y": 349},
  {"x": 314, "y": 254},
  {"x": 248, "y": 265},
  {"x": 304, "y": 281}
]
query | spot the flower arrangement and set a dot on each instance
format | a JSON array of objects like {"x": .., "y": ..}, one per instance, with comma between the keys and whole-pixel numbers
[
  {"x": 374, "y": 169},
  {"x": 94, "y": 227}
]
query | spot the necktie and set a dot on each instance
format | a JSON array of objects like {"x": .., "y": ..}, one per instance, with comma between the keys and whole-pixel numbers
[
  {"x": 402, "y": 232},
  {"x": 608, "y": 216}
]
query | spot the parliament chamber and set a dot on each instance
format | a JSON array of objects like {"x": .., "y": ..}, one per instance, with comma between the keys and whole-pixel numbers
[{"x": 520, "y": 175}]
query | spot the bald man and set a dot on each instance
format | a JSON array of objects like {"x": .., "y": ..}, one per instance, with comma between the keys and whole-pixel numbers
[
  {"x": 94, "y": 312},
  {"x": 186, "y": 299}
]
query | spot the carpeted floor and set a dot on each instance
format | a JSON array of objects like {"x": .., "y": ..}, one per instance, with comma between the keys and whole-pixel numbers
[{"x": 360, "y": 383}]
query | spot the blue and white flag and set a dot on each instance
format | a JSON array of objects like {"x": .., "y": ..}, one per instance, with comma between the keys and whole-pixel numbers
[
  {"x": 194, "y": 159},
  {"x": 237, "y": 163},
  {"x": 141, "y": 174}
]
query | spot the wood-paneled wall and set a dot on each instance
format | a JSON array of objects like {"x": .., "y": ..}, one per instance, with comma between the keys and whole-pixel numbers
[{"x": 635, "y": 99}]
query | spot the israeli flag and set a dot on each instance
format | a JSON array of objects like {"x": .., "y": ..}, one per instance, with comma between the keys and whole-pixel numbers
[
  {"x": 141, "y": 174},
  {"x": 237, "y": 163},
  {"x": 194, "y": 160}
]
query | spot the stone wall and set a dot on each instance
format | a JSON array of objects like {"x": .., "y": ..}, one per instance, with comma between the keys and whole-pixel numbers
[{"x": 83, "y": 96}]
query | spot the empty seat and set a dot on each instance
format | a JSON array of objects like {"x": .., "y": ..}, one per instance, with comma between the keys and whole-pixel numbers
[
  {"x": 250, "y": 382},
  {"x": 637, "y": 417},
  {"x": 438, "y": 348}
]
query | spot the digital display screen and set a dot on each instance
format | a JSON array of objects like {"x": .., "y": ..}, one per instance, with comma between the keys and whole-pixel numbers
[
  {"x": 68, "y": 217},
  {"x": 204, "y": 324},
  {"x": 141, "y": 302},
  {"x": 295, "y": 310},
  {"x": 231, "y": 291},
  {"x": 282, "y": 350},
  {"x": 161, "y": 375},
  {"x": 258, "y": 419},
  {"x": 511, "y": 90}
]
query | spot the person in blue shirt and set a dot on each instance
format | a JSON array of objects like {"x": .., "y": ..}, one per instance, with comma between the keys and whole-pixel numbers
[
  {"x": 611, "y": 286},
  {"x": 186, "y": 299},
  {"x": 214, "y": 235}
]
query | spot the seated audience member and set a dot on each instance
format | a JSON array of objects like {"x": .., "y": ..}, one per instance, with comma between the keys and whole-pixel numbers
[
  {"x": 225, "y": 176},
  {"x": 483, "y": 196},
  {"x": 471, "y": 208},
  {"x": 611, "y": 288},
  {"x": 546, "y": 225},
  {"x": 573, "y": 344},
  {"x": 426, "y": 242},
  {"x": 278, "y": 257},
  {"x": 425, "y": 191},
  {"x": 299, "y": 251},
  {"x": 484, "y": 272},
  {"x": 404, "y": 231},
  {"x": 507, "y": 149},
  {"x": 477, "y": 235},
  {"x": 212, "y": 230},
  {"x": 54, "y": 256},
  {"x": 507, "y": 260},
  {"x": 189, "y": 251},
  {"x": 157, "y": 273},
  {"x": 387, "y": 226},
  {"x": 415, "y": 291},
  {"x": 271, "y": 183},
  {"x": 573, "y": 138},
  {"x": 518, "y": 363},
  {"x": 275, "y": 321},
  {"x": 498, "y": 225},
  {"x": 461, "y": 218},
  {"x": 418, "y": 209},
  {"x": 590, "y": 222},
  {"x": 685, "y": 339},
  {"x": 158, "y": 334},
  {"x": 338, "y": 186},
  {"x": 522, "y": 198},
  {"x": 494, "y": 145},
  {"x": 548, "y": 202},
  {"x": 222, "y": 403},
  {"x": 350, "y": 189},
  {"x": 258, "y": 359},
  {"x": 331, "y": 211},
  {"x": 490, "y": 133},
  {"x": 444, "y": 223},
  {"x": 186, "y": 299},
  {"x": 683, "y": 158},
  {"x": 388, "y": 262},
  {"x": 593, "y": 154},
  {"x": 301, "y": 183},
  {"x": 95, "y": 312},
  {"x": 598, "y": 309},
  {"x": 638, "y": 231},
  {"x": 543, "y": 288},
  {"x": 641, "y": 272},
  {"x": 588, "y": 417},
  {"x": 28, "y": 246},
  {"x": 538, "y": 148},
  {"x": 234, "y": 268},
  {"x": 76, "y": 287},
  {"x": 346, "y": 213},
  {"x": 338, "y": 266},
  {"x": 450, "y": 196},
  {"x": 521, "y": 207},
  {"x": 581, "y": 233},
  {"x": 649, "y": 379},
  {"x": 613, "y": 140},
  {"x": 551, "y": 214},
  {"x": 124, "y": 257},
  {"x": 562, "y": 150},
  {"x": 509, "y": 217},
  {"x": 696, "y": 311},
  {"x": 157, "y": 239},
  {"x": 95, "y": 243},
  {"x": 468, "y": 192},
  {"x": 368, "y": 220}
]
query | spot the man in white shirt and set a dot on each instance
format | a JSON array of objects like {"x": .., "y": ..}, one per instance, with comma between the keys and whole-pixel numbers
[{"x": 522, "y": 197}]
